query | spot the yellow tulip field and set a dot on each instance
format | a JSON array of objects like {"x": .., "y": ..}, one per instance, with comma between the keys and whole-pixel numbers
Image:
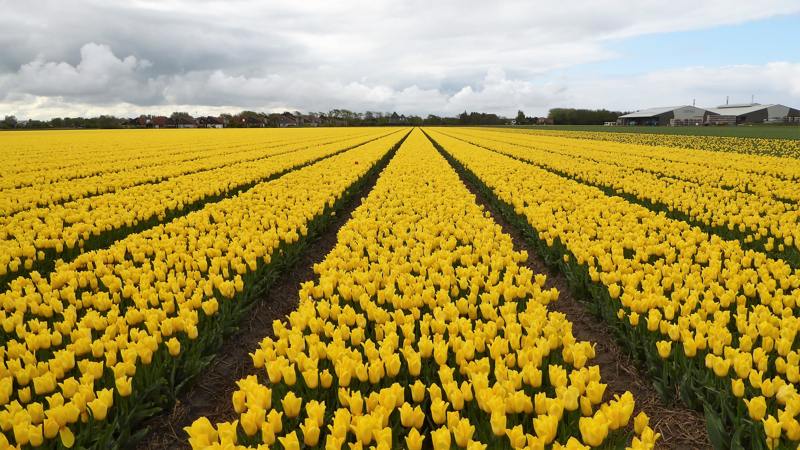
[
  {"x": 86, "y": 347},
  {"x": 712, "y": 320},
  {"x": 423, "y": 328},
  {"x": 129, "y": 257}
]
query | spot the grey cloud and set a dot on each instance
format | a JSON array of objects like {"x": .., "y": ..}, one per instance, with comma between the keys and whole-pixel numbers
[{"x": 411, "y": 56}]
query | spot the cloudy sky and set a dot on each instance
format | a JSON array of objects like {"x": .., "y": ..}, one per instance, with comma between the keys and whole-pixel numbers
[{"x": 87, "y": 57}]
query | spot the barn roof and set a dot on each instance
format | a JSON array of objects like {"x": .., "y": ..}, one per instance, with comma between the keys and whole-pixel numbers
[
  {"x": 738, "y": 110},
  {"x": 650, "y": 112}
]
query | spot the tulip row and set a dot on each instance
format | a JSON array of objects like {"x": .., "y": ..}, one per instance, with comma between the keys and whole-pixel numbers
[
  {"x": 110, "y": 337},
  {"x": 762, "y": 223},
  {"x": 710, "y": 320},
  {"x": 50, "y": 157},
  {"x": 44, "y": 193},
  {"x": 424, "y": 329},
  {"x": 770, "y": 177},
  {"x": 752, "y": 146},
  {"x": 42, "y": 152},
  {"x": 35, "y": 238}
]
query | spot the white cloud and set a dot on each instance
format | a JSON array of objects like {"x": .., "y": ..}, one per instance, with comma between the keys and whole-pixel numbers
[
  {"x": 99, "y": 74},
  {"x": 775, "y": 82},
  {"x": 200, "y": 92},
  {"x": 414, "y": 57}
]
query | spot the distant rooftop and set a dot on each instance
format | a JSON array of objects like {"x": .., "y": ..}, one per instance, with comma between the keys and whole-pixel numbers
[
  {"x": 738, "y": 105},
  {"x": 737, "y": 110},
  {"x": 650, "y": 112}
]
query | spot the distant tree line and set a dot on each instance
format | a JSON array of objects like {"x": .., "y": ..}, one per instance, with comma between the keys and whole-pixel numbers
[
  {"x": 11, "y": 122},
  {"x": 254, "y": 119},
  {"x": 572, "y": 116},
  {"x": 334, "y": 117}
]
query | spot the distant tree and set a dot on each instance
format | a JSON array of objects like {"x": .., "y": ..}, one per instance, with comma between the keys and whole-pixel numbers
[
  {"x": 108, "y": 122},
  {"x": 181, "y": 118},
  {"x": 433, "y": 120},
  {"x": 572, "y": 116},
  {"x": 9, "y": 122},
  {"x": 248, "y": 119},
  {"x": 476, "y": 118},
  {"x": 415, "y": 121},
  {"x": 226, "y": 118},
  {"x": 521, "y": 120}
]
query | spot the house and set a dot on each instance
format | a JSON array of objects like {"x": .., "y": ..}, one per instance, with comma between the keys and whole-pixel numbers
[
  {"x": 209, "y": 122},
  {"x": 309, "y": 120},
  {"x": 396, "y": 119},
  {"x": 159, "y": 122},
  {"x": 287, "y": 119}
]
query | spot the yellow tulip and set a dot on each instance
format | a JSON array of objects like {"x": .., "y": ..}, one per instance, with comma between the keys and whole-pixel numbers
[
  {"x": 326, "y": 379},
  {"x": 756, "y": 407},
  {"x": 333, "y": 443},
  {"x": 418, "y": 391},
  {"x": 414, "y": 440},
  {"x": 174, "y": 346},
  {"x": 593, "y": 429},
  {"x": 516, "y": 437},
  {"x": 99, "y": 409},
  {"x": 439, "y": 411},
  {"x": 441, "y": 438},
  {"x": 66, "y": 437},
  {"x": 463, "y": 432},
  {"x": 475, "y": 445},
  {"x": 640, "y": 422},
  {"x": 275, "y": 420},
  {"x": 291, "y": 405},
  {"x": 290, "y": 441},
  {"x": 546, "y": 427},
  {"x": 310, "y": 431},
  {"x": 737, "y": 386},
  {"x": 772, "y": 427},
  {"x": 498, "y": 423},
  {"x": 664, "y": 348}
]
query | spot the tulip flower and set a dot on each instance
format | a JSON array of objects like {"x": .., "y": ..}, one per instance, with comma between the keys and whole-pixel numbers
[
  {"x": 546, "y": 427},
  {"x": 290, "y": 441},
  {"x": 498, "y": 423},
  {"x": 414, "y": 440},
  {"x": 441, "y": 438},
  {"x": 291, "y": 405},
  {"x": 756, "y": 407},
  {"x": 310, "y": 431},
  {"x": 516, "y": 437},
  {"x": 439, "y": 411},
  {"x": 593, "y": 429},
  {"x": 463, "y": 432}
]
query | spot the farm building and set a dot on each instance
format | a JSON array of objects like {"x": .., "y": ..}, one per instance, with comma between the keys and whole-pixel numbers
[
  {"x": 669, "y": 115},
  {"x": 753, "y": 113}
]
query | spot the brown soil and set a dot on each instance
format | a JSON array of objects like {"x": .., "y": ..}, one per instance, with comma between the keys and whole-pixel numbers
[
  {"x": 210, "y": 394},
  {"x": 680, "y": 428}
]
